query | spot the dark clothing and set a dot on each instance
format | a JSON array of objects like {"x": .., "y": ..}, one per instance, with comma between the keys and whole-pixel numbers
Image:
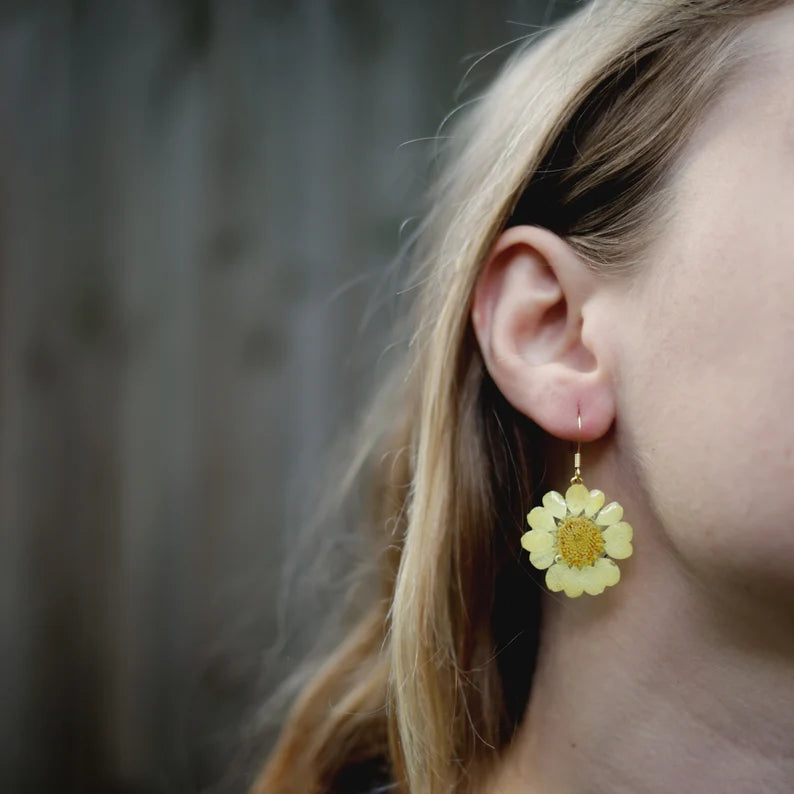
[{"x": 370, "y": 777}]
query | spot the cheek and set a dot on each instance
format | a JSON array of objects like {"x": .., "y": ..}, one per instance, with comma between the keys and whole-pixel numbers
[
  {"x": 708, "y": 385},
  {"x": 707, "y": 371}
]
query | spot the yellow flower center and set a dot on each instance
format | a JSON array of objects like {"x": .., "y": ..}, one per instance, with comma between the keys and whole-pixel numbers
[{"x": 580, "y": 541}]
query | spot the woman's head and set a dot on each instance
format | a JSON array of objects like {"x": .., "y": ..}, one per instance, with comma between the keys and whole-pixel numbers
[
  {"x": 686, "y": 351},
  {"x": 592, "y": 245}
]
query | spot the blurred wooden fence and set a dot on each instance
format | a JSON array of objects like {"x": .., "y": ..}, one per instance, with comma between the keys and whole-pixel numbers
[{"x": 197, "y": 200}]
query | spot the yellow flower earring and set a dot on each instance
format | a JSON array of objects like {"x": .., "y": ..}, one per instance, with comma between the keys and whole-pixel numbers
[{"x": 578, "y": 538}]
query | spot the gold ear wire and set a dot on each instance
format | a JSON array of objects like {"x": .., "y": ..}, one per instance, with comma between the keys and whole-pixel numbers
[
  {"x": 576, "y": 538},
  {"x": 577, "y": 458}
]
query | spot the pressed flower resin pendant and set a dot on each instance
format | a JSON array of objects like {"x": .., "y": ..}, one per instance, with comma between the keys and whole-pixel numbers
[{"x": 576, "y": 538}]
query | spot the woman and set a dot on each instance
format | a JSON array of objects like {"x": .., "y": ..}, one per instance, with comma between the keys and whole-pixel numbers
[{"x": 608, "y": 259}]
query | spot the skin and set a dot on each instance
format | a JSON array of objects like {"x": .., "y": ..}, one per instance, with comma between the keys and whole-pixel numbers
[{"x": 680, "y": 678}]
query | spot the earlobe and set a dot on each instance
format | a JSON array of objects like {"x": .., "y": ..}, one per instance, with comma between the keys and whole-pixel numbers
[{"x": 528, "y": 316}]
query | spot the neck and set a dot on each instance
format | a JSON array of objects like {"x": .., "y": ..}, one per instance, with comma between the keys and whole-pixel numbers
[{"x": 657, "y": 685}]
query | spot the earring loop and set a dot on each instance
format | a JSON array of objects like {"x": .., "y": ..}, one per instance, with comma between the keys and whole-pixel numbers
[{"x": 576, "y": 538}]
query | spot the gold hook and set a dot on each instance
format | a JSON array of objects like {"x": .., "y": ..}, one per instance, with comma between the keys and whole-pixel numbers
[{"x": 577, "y": 458}]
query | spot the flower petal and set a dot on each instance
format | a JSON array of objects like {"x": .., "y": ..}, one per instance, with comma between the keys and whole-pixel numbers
[
  {"x": 619, "y": 549},
  {"x": 536, "y": 540},
  {"x": 555, "y": 577},
  {"x": 610, "y": 514},
  {"x": 607, "y": 570},
  {"x": 576, "y": 498},
  {"x": 554, "y": 502},
  {"x": 594, "y": 502},
  {"x": 593, "y": 580},
  {"x": 573, "y": 582},
  {"x": 542, "y": 559},
  {"x": 541, "y": 519},
  {"x": 620, "y": 531}
]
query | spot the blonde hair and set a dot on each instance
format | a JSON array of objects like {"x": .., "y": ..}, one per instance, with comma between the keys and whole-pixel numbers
[{"x": 580, "y": 133}]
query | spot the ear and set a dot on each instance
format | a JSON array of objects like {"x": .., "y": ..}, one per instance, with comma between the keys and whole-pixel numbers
[{"x": 536, "y": 314}]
